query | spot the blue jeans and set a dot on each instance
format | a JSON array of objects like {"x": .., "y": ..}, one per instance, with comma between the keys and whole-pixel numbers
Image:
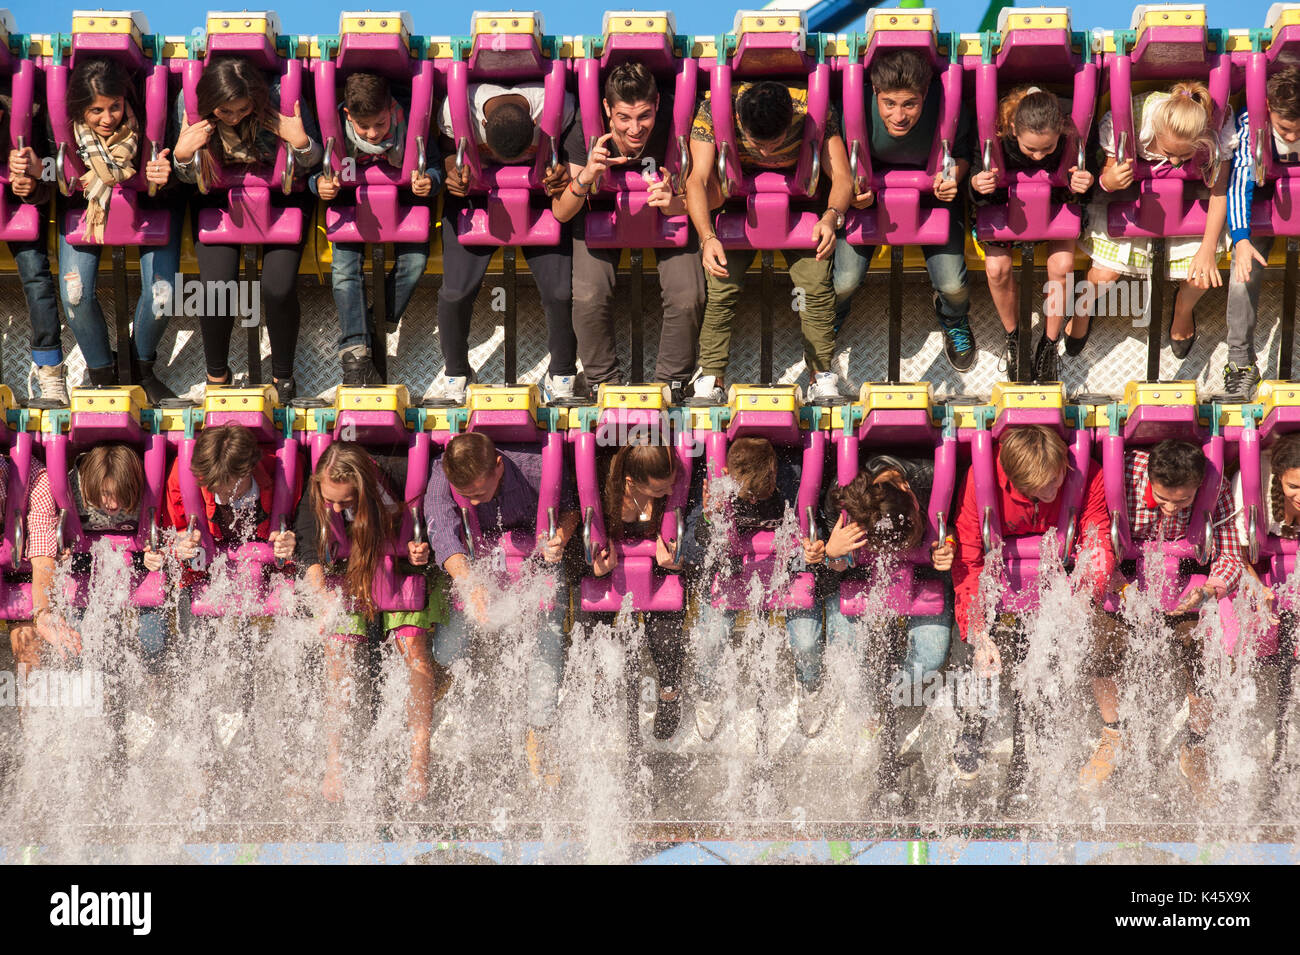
[
  {"x": 927, "y": 638},
  {"x": 350, "y": 287},
  {"x": 715, "y": 630},
  {"x": 545, "y": 669},
  {"x": 33, "y": 263},
  {"x": 152, "y": 622},
  {"x": 78, "y": 270},
  {"x": 946, "y": 264}
]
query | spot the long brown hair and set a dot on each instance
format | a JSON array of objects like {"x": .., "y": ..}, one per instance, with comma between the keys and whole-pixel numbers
[
  {"x": 642, "y": 463},
  {"x": 887, "y": 514},
  {"x": 229, "y": 78},
  {"x": 115, "y": 467},
  {"x": 99, "y": 76},
  {"x": 373, "y": 524},
  {"x": 1028, "y": 109},
  {"x": 1285, "y": 456}
]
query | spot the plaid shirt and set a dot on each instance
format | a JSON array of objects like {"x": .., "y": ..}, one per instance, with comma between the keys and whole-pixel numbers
[
  {"x": 1148, "y": 522},
  {"x": 42, "y": 515}
]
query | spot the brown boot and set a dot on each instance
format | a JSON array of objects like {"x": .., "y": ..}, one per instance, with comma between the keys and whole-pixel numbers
[
  {"x": 1194, "y": 763},
  {"x": 540, "y": 759},
  {"x": 442, "y": 681},
  {"x": 1098, "y": 769}
]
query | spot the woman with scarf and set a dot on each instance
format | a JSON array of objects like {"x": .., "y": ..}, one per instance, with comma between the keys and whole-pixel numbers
[
  {"x": 374, "y": 131},
  {"x": 241, "y": 128},
  {"x": 107, "y": 127}
]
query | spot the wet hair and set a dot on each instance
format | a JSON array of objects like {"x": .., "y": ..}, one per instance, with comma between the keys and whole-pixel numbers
[
  {"x": 113, "y": 468},
  {"x": 887, "y": 514},
  {"x": 1284, "y": 456},
  {"x": 469, "y": 458},
  {"x": 224, "y": 454},
  {"x": 765, "y": 110},
  {"x": 1186, "y": 117},
  {"x": 630, "y": 82},
  {"x": 901, "y": 70},
  {"x": 751, "y": 463},
  {"x": 642, "y": 463},
  {"x": 366, "y": 95},
  {"x": 1021, "y": 111},
  {"x": 1283, "y": 92},
  {"x": 509, "y": 131},
  {"x": 1176, "y": 464},
  {"x": 373, "y": 525},
  {"x": 230, "y": 78},
  {"x": 1032, "y": 456},
  {"x": 98, "y": 76}
]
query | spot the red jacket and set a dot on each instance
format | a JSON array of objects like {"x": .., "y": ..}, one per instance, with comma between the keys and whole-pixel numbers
[{"x": 1022, "y": 517}]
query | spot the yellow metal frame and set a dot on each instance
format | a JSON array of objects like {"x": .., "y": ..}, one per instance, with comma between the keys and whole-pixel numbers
[
  {"x": 510, "y": 21},
  {"x": 648, "y": 397},
  {"x": 913, "y": 396},
  {"x": 1167, "y": 394},
  {"x": 900, "y": 19},
  {"x": 393, "y": 398},
  {"x": 503, "y": 398},
  {"x": 107, "y": 21},
  {"x": 634, "y": 22},
  {"x": 1171, "y": 16},
  {"x": 240, "y": 399},
  {"x": 1277, "y": 394},
  {"x": 1007, "y": 395},
  {"x": 763, "y": 398},
  {"x": 128, "y": 398},
  {"x": 242, "y": 23}
]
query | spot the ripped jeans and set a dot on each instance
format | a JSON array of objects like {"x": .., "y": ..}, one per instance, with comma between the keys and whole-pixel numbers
[{"x": 78, "y": 270}]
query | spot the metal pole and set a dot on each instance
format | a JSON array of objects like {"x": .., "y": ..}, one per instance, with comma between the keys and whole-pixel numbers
[
  {"x": 510, "y": 320},
  {"x": 895, "y": 353},
  {"x": 254, "y": 330},
  {"x": 1156, "y": 300},
  {"x": 1286, "y": 338},
  {"x": 765, "y": 321},
  {"x": 636, "y": 318},
  {"x": 1025, "y": 319},
  {"x": 122, "y": 316}
]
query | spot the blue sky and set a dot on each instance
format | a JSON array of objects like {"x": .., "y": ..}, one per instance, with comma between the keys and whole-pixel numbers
[{"x": 575, "y": 16}]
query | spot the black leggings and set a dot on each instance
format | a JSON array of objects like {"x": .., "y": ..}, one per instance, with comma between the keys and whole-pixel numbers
[
  {"x": 279, "y": 295},
  {"x": 665, "y": 636}
]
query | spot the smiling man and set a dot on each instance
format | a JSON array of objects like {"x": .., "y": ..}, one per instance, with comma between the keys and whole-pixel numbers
[
  {"x": 904, "y": 120},
  {"x": 638, "y": 139}
]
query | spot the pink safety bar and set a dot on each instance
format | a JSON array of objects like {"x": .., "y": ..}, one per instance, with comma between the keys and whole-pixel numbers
[
  {"x": 87, "y": 429},
  {"x": 249, "y": 216},
  {"x": 516, "y": 545},
  {"x": 1163, "y": 207},
  {"x": 1021, "y": 553},
  {"x": 1278, "y": 214},
  {"x": 380, "y": 212},
  {"x": 898, "y": 215},
  {"x": 769, "y": 221},
  {"x": 887, "y": 428},
  {"x": 19, "y": 221},
  {"x": 636, "y": 569},
  {"x": 1029, "y": 213},
  {"x": 758, "y": 550},
  {"x": 632, "y": 222},
  {"x": 510, "y": 216},
  {"x": 126, "y": 223}
]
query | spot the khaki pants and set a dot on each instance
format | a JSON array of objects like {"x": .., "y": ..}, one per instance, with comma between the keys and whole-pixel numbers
[
  {"x": 816, "y": 318},
  {"x": 1112, "y": 635}
]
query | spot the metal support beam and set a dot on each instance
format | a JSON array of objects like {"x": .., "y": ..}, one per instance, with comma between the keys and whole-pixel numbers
[
  {"x": 510, "y": 320},
  {"x": 255, "y": 329},
  {"x": 636, "y": 317},
  {"x": 765, "y": 320},
  {"x": 1156, "y": 301},
  {"x": 1025, "y": 370},
  {"x": 1286, "y": 336},
  {"x": 122, "y": 314},
  {"x": 894, "y": 359}
]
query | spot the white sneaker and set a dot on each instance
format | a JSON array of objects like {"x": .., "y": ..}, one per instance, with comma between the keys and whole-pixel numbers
[
  {"x": 825, "y": 386},
  {"x": 706, "y": 388},
  {"x": 50, "y": 379},
  {"x": 812, "y": 710},
  {"x": 227, "y": 726},
  {"x": 450, "y": 388},
  {"x": 139, "y": 729},
  {"x": 199, "y": 393},
  {"x": 708, "y": 717},
  {"x": 560, "y": 388}
]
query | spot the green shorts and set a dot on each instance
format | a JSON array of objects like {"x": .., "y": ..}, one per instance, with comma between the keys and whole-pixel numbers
[{"x": 437, "y": 609}]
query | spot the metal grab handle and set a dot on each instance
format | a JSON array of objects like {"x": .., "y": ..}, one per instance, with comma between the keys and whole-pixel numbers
[
  {"x": 60, "y": 175},
  {"x": 1114, "y": 537},
  {"x": 326, "y": 546},
  {"x": 726, "y": 184},
  {"x": 1081, "y": 158},
  {"x": 809, "y": 511},
  {"x": 986, "y": 528},
  {"x": 858, "y": 186},
  {"x": 461, "y": 170},
  {"x": 941, "y": 520},
  {"x": 555, "y": 157},
  {"x": 59, "y": 542},
  {"x": 153, "y": 186},
  {"x": 284, "y": 529},
  {"x": 946, "y": 162},
  {"x": 329, "y": 158},
  {"x": 290, "y": 163},
  {"x": 1121, "y": 150},
  {"x": 469, "y": 534},
  {"x": 200, "y": 176},
  {"x": 418, "y": 533},
  {"x": 552, "y": 525},
  {"x": 155, "y": 533},
  {"x": 586, "y": 536},
  {"x": 988, "y": 155},
  {"x": 681, "y": 533},
  {"x": 684, "y": 165},
  {"x": 20, "y": 541},
  {"x": 1252, "y": 539},
  {"x": 1203, "y": 548},
  {"x": 197, "y": 561},
  {"x": 815, "y": 176},
  {"x": 1069, "y": 534},
  {"x": 421, "y": 157},
  {"x": 1259, "y": 157},
  {"x": 591, "y": 145}
]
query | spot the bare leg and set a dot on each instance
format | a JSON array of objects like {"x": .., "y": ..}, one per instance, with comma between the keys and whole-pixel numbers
[
  {"x": 1002, "y": 285},
  {"x": 419, "y": 713},
  {"x": 340, "y": 660}
]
